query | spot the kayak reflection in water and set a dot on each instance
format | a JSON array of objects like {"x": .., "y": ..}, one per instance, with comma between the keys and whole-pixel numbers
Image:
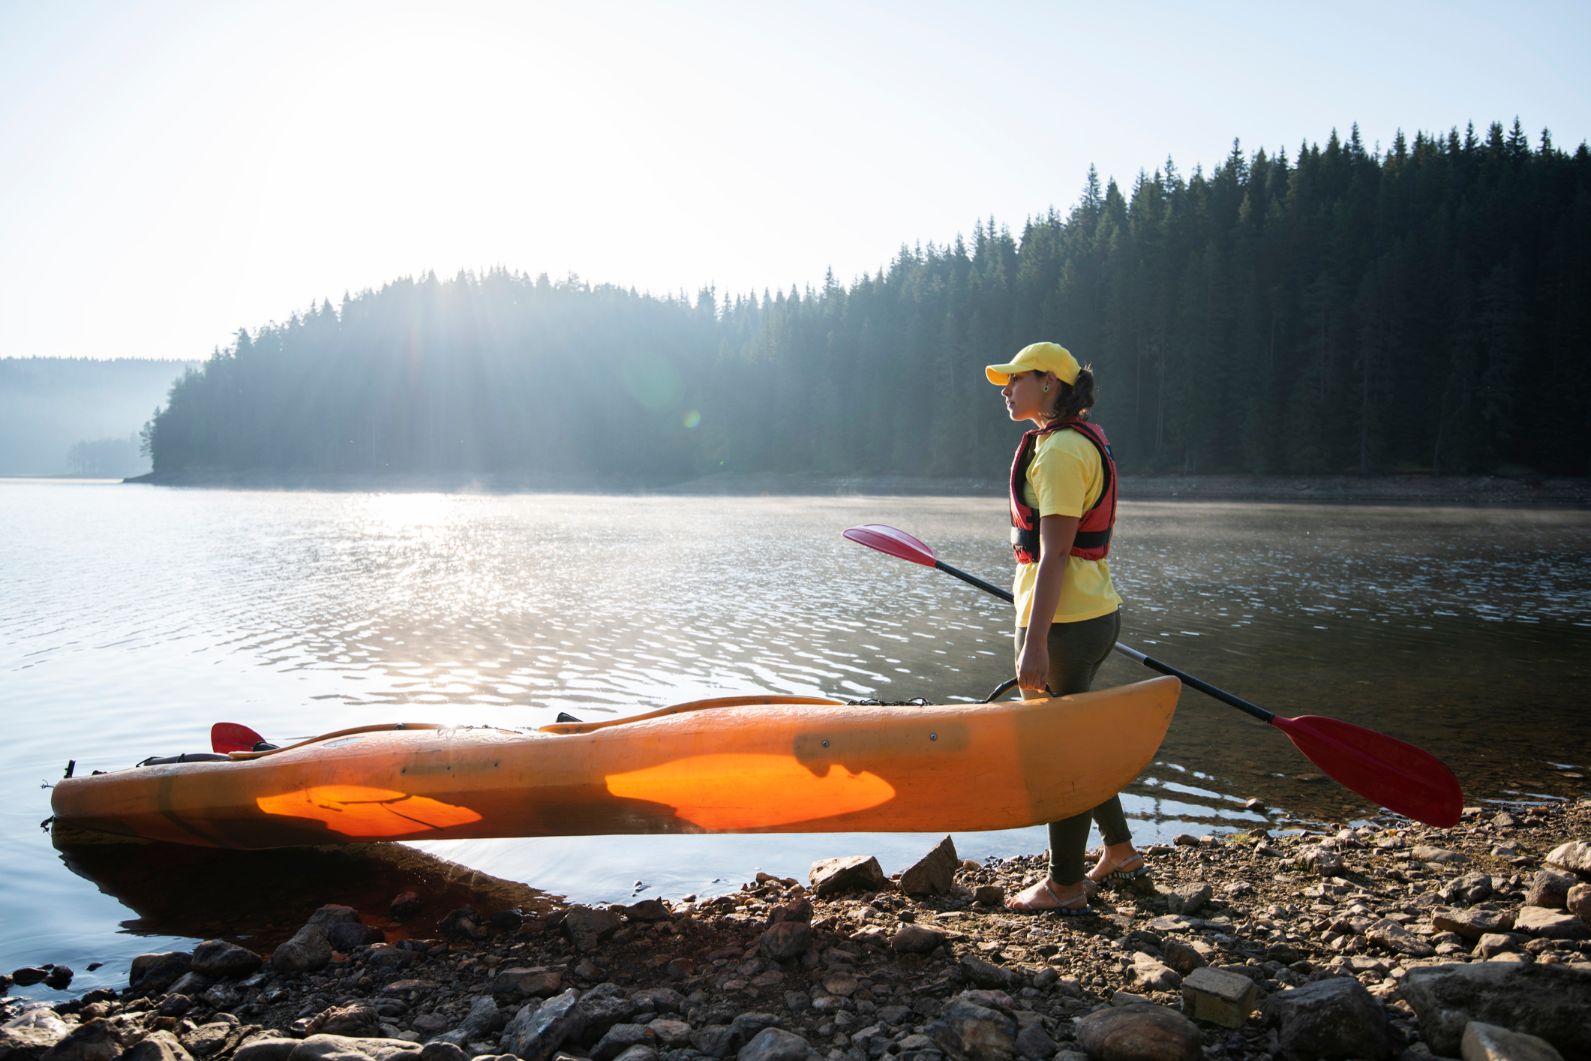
[{"x": 1063, "y": 507}]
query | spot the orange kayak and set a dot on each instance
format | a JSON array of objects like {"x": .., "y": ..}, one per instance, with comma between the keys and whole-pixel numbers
[{"x": 745, "y": 764}]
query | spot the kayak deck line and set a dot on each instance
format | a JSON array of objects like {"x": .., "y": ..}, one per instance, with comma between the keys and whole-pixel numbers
[{"x": 728, "y": 765}]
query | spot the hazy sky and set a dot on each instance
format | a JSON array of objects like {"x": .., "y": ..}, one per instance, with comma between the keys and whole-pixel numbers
[{"x": 170, "y": 172}]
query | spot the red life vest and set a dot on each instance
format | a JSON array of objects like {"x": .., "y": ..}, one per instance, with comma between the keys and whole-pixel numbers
[{"x": 1093, "y": 529}]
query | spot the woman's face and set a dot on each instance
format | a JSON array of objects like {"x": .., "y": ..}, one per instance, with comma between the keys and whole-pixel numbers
[{"x": 1025, "y": 398}]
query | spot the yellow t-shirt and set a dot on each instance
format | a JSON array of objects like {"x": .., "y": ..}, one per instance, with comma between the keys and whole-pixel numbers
[{"x": 1064, "y": 478}]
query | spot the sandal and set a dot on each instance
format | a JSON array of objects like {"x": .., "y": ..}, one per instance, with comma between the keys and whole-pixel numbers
[
  {"x": 1132, "y": 869},
  {"x": 1065, "y": 908}
]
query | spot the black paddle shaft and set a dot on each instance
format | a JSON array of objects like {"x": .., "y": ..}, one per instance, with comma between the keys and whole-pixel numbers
[{"x": 1131, "y": 653}]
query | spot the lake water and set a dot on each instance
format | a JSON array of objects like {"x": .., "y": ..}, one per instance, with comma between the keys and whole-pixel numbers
[{"x": 131, "y": 618}]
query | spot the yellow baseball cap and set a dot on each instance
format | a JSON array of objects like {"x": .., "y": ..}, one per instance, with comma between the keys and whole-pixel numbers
[{"x": 1037, "y": 357}]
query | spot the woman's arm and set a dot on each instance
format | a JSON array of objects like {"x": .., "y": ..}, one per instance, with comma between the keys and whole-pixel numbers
[{"x": 1056, "y": 534}]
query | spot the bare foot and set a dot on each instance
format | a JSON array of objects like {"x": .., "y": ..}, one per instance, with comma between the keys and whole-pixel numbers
[{"x": 1048, "y": 895}]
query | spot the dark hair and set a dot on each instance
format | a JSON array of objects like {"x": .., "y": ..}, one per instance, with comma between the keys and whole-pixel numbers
[{"x": 1075, "y": 399}]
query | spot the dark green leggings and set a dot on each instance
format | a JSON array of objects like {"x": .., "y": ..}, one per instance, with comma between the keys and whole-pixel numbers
[{"x": 1076, "y": 651}]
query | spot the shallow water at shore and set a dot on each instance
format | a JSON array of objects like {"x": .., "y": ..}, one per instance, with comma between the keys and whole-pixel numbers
[{"x": 136, "y": 616}]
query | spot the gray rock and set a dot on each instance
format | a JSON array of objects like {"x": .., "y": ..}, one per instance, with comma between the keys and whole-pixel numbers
[
  {"x": 786, "y": 940},
  {"x": 1139, "y": 1031},
  {"x": 658, "y": 1000},
  {"x": 93, "y": 1041},
  {"x": 1181, "y": 956},
  {"x": 670, "y": 1032},
  {"x": 304, "y": 953},
  {"x": 332, "y": 914},
  {"x": 1467, "y": 890},
  {"x": 1473, "y": 923},
  {"x": 345, "y": 1048},
  {"x": 831, "y": 876},
  {"x": 268, "y": 1048},
  {"x": 356, "y": 1020},
  {"x": 775, "y": 1044},
  {"x": 648, "y": 911},
  {"x": 208, "y": 1040},
  {"x": 1394, "y": 937},
  {"x": 153, "y": 973},
  {"x": 159, "y": 1046},
  {"x": 1032, "y": 1041},
  {"x": 346, "y": 937},
  {"x": 225, "y": 961},
  {"x": 443, "y": 1052},
  {"x": 720, "y": 1040},
  {"x": 1488, "y": 1042},
  {"x": 989, "y": 895},
  {"x": 1439, "y": 855},
  {"x": 1578, "y": 902},
  {"x": 1574, "y": 856},
  {"x": 602, "y": 1007},
  {"x": 539, "y": 1029},
  {"x": 638, "y": 1053},
  {"x": 482, "y": 1020},
  {"x": 520, "y": 982},
  {"x": 1550, "y": 924},
  {"x": 1550, "y": 888},
  {"x": 1330, "y": 1018},
  {"x": 970, "y": 1028},
  {"x": 1548, "y": 1001},
  {"x": 619, "y": 1038},
  {"x": 30, "y": 1034},
  {"x": 587, "y": 926},
  {"x": 916, "y": 939},
  {"x": 1188, "y": 899},
  {"x": 1153, "y": 974},
  {"x": 935, "y": 873},
  {"x": 1495, "y": 943},
  {"x": 986, "y": 974}
]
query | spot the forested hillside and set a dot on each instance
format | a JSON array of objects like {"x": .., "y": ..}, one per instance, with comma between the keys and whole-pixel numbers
[
  {"x": 75, "y": 415},
  {"x": 1421, "y": 308}
]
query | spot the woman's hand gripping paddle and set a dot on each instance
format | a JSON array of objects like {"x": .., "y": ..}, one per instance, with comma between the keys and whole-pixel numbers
[{"x": 1393, "y": 774}]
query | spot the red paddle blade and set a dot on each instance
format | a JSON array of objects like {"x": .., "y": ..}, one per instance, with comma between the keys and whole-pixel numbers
[
  {"x": 894, "y": 542},
  {"x": 1398, "y": 776},
  {"x": 233, "y": 737}
]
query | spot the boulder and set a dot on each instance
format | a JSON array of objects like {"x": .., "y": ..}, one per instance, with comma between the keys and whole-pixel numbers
[
  {"x": 1550, "y": 888},
  {"x": 539, "y": 1029},
  {"x": 354, "y": 1020},
  {"x": 830, "y": 876},
  {"x": 1547, "y": 1001},
  {"x": 158, "y": 1046},
  {"x": 1550, "y": 924},
  {"x": 1473, "y": 923},
  {"x": 1574, "y": 856},
  {"x": 1394, "y": 937},
  {"x": 1467, "y": 890},
  {"x": 786, "y": 940},
  {"x": 916, "y": 939},
  {"x": 220, "y": 960},
  {"x": 1153, "y": 974},
  {"x": 775, "y": 1044},
  {"x": 94, "y": 1041},
  {"x": 1330, "y": 1018},
  {"x": 521, "y": 982},
  {"x": 1578, "y": 902},
  {"x": 935, "y": 873},
  {"x": 1139, "y": 1031},
  {"x": 152, "y": 974},
  {"x": 971, "y": 1029},
  {"x": 588, "y": 926}
]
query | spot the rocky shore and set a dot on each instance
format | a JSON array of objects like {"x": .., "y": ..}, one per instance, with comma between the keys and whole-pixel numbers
[{"x": 1390, "y": 940}]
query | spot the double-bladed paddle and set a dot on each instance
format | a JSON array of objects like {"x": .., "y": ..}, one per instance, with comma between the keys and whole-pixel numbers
[{"x": 1393, "y": 774}]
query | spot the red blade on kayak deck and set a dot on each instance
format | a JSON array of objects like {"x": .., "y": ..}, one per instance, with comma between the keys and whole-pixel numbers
[
  {"x": 233, "y": 737},
  {"x": 1399, "y": 776},
  {"x": 896, "y": 543}
]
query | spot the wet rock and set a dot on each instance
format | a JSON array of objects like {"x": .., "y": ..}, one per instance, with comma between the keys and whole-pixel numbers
[
  {"x": 28, "y": 975},
  {"x": 356, "y": 1020},
  {"x": 1467, "y": 890},
  {"x": 775, "y": 1044},
  {"x": 1152, "y": 974},
  {"x": 935, "y": 873},
  {"x": 1550, "y": 924},
  {"x": 221, "y": 960},
  {"x": 1394, "y": 937},
  {"x": 588, "y": 926},
  {"x": 1139, "y": 1031},
  {"x": 539, "y": 1029},
  {"x": 1574, "y": 856},
  {"x": 59, "y": 978},
  {"x": 1188, "y": 898},
  {"x": 974, "y": 1026},
  {"x": 1473, "y": 923},
  {"x": 916, "y": 939},
  {"x": 830, "y": 876},
  {"x": 1549, "y": 1001},
  {"x": 95, "y": 1040},
  {"x": 519, "y": 982},
  {"x": 1550, "y": 888},
  {"x": 153, "y": 973},
  {"x": 786, "y": 940},
  {"x": 1330, "y": 1018},
  {"x": 1488, "y": 1042},
  {"x": 1218, "y": 996},
  {"x": 158, "y": 1046}
]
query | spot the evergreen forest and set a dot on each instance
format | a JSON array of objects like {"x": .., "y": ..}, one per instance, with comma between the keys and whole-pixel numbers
[{"x": 1418, "y": 308}]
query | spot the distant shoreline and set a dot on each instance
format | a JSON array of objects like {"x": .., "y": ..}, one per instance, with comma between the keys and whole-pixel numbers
[{"x": 1330, "y": 489}]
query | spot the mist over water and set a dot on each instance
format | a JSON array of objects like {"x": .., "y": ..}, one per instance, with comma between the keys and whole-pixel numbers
[{"x": 134, "y": 617}]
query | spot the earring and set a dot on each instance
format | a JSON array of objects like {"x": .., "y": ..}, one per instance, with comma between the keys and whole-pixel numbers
[{"x": 1046, "y": 388}]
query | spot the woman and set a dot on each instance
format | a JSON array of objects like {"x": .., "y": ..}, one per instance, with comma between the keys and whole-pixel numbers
[{"x": 1063, "y": 506}]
